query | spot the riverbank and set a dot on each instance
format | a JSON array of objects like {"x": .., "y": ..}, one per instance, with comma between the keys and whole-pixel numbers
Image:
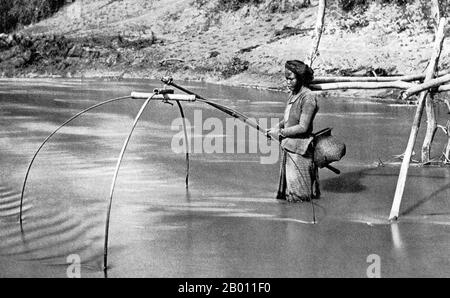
[{"x": 196, "y": 41}]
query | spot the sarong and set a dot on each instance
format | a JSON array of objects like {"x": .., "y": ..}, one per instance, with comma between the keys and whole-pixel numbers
[{"x": 298, "y": 178}]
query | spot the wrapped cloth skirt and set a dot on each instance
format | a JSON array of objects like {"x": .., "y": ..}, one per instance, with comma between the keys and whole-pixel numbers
[{"x": 298, "y": 178}]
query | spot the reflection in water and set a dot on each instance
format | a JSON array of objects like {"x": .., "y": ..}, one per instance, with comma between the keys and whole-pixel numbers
[
  {"x": 227, "y": 224},
  {"x": 396, "y": 237},
  {"x": 47, "y": 236}
]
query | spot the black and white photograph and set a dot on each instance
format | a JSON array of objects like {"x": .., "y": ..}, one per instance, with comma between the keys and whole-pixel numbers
[{"x": 224, "y": 144}]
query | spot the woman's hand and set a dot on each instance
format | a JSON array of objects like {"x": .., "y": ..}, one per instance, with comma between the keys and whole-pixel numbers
[{"x": 274, "y": 133}]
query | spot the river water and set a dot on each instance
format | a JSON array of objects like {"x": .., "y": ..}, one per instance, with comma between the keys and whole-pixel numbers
[{"x": 228, "y": 224}]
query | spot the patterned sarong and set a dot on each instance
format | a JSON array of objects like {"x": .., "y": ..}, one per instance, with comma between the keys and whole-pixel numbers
[{"x": 298, "y": 178}]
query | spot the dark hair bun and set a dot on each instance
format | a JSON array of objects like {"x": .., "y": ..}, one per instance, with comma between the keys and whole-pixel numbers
[{"x": 301, "y": 69}]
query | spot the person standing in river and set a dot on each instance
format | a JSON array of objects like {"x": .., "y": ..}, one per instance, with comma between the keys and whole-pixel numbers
[{"x": 298, "y": 173}]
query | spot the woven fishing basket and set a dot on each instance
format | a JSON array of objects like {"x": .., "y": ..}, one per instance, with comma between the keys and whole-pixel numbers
[{"x": 327, "y": 149}]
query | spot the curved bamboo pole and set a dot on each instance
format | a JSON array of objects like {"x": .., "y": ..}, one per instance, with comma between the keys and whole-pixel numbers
[
  {"x": 48, "y": 138},
  {"x": 186, "y": 140},
  {"x": 116, "y": 173}
]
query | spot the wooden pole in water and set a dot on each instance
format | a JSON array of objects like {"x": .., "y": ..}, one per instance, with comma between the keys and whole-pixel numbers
[
  {"x": 186, "y": 140},
  {"x": 430, "y": 108},
  {"x": 416, "y": 124},
  {"x": 447, "y": 149}
]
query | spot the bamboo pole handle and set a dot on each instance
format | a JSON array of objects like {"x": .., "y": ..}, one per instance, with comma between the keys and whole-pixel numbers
[
  {"x": 179, "y": 97},
  {"x": 236, "y": 114}
]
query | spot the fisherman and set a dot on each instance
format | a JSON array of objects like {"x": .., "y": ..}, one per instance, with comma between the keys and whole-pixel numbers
[{"x": 298, "y": 172}]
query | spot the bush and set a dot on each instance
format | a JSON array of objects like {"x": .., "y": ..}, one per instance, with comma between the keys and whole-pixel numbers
[
  {"x": 24, "y": 12},
  {"x": 200, "y": 3},
  {"x": 348, "y": 5},
  {"x": 235, "y": 66},
  {"x": 5, "y": 17},
  {"x": 234, "y": 5},
  {"x": 398, "y": 2},
  {"x": 272, "y": 6}
]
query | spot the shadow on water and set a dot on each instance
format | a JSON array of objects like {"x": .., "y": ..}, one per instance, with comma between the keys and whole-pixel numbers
[
  {"x": 426, "y": 199},
  {"x": 345, "y": 183}
]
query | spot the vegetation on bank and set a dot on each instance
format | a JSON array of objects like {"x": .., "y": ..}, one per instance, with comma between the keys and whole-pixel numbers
[
  {"x": 18, "y": 13},
  {"x": 268, "y": 5},
  {"x": 222, "y": 40}
]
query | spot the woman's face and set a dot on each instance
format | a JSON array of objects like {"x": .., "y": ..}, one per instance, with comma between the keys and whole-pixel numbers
[{"x": 292, "y": 81}]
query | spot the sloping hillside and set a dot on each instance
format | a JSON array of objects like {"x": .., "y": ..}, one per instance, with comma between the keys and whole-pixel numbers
[{"x": 194, "y": 39}]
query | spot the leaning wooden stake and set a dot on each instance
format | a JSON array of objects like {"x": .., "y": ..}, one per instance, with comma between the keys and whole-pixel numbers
[
  {"x": 447, "y": 149},
  {"x": 318, "y": 32},
  {"x": 430, "y": 108},
  {"x": 416, "y": 124}
]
